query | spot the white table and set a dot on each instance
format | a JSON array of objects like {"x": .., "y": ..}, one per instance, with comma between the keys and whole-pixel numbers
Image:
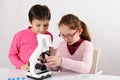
[{"x": 5, "y": 73}]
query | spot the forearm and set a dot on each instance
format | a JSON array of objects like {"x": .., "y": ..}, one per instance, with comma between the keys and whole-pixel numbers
[
  {"x": 15, "y": 61},
  {"x": 77, "y": 66}
]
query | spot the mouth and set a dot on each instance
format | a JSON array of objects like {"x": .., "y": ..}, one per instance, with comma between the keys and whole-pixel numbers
[{"x": 41, "y": 32}]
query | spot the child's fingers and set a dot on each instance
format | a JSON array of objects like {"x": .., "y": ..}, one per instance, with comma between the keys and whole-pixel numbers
[
  {"x": 46, "y": 56},
  {"x": 51, "y": 63},
  {"x": 49, "y": 57},
  {"x": 50, "y": 60}
]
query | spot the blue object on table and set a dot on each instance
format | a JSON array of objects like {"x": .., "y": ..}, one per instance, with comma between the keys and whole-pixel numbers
[
  {"x": 9, "y": 78},
  {"x": 23, "y": 78},
  {"x": 13, "y": 78},
  {"x": 17, "y": 78}
]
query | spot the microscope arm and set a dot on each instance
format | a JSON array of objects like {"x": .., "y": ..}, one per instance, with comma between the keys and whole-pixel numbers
[{"x": 44, "y": 42}]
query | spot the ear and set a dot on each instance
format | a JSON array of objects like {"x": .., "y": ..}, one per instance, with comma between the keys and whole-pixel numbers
[{"x": 80, "y": 31}]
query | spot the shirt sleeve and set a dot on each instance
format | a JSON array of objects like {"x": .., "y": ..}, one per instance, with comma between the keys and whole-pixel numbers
[
  {"x": 80, "y": 66},
  {"x": 14, "y": 52}
]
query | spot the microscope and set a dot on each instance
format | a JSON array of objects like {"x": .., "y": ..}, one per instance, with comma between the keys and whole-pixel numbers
[{"x": 37, "y": 68}]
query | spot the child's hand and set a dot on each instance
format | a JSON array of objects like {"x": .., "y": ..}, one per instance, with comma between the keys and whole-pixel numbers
[
  {"x": 54, "y": 60},
  {"x": 52, "y": 51},
  {"x": 43, "y": 60},
  {"x": 25, "y": 67}
]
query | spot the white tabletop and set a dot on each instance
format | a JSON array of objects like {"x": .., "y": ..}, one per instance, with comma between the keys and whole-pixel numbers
[{"x": 6, "y": 73}]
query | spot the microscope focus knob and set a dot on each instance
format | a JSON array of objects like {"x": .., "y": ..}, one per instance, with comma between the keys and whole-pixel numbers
[
  {"x": 40, "y": 66},
  {"x": 37, "y": 66}
]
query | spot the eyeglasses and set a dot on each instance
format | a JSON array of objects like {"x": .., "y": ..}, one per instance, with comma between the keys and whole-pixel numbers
[{"x": 69, "y": 36}]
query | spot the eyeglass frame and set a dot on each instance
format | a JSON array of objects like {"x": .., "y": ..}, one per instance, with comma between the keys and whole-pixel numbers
[{"x": 67, "y": 36}]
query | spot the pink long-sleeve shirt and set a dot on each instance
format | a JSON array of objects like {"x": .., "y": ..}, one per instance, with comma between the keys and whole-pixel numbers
[
  {"x": 80, "y": 61},
  {"x": 23, "y": 45}
]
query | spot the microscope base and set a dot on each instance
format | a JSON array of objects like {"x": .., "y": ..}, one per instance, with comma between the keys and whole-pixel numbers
[{"x": 39, "y": 76}]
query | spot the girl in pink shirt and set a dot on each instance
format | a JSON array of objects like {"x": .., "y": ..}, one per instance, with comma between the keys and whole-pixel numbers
[
  {"x": 75, "y": 53},
  {"x": 25, "y": 41}
]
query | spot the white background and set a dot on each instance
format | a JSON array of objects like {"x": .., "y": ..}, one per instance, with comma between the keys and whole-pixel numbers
[{"x": 101, "y": 16}]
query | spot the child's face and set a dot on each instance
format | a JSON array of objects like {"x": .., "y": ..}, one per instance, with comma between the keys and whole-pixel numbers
[
  {"x": 39, "y": 26},
  {"x": 69, "y": 35}
]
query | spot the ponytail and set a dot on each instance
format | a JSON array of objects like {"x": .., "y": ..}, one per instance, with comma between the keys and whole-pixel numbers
[{"x": 84, "y": 35}]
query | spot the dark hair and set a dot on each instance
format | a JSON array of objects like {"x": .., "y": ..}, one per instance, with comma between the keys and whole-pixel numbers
[
  {"x": 74, "y": 23},
  {"x": 39, "y": 12}
]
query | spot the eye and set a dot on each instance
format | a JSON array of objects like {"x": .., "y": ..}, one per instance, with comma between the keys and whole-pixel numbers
[
  {"x": 46, "y": 25},
  {"x": 38, "y": 25}
]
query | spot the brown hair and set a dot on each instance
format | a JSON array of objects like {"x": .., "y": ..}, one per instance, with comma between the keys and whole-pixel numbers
[
  {"x": 39, "y": 12},
  {"x": 74, "y": 23}
]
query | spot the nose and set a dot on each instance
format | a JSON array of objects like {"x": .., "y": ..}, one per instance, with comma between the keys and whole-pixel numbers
[{"x": 42, "y": 29}]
